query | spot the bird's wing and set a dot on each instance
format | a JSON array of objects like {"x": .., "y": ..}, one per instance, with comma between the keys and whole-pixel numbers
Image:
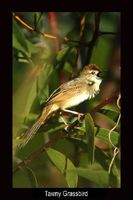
[
  {"x": 63, "y": 89},
  {"x": 54, "y": 93}
]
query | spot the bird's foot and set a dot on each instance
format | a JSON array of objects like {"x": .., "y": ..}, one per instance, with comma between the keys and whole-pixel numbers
[{"x": 80, "y": 116}]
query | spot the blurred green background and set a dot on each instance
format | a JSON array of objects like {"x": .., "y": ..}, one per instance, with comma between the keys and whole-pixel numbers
[{"x": 50, "y": 48}]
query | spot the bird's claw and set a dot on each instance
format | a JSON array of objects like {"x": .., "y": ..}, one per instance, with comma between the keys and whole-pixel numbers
[{"x": 79, "y": 117}]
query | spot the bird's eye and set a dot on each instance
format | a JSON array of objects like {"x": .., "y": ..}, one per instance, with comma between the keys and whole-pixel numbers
[{"x": 93, "y": 72}]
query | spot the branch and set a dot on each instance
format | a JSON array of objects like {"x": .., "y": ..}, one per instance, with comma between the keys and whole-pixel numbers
[
  {"x": 65, "y": 40},
  {"x": 60, "y": 136},
  {"x": 102, "y": 104},
  {"x": 99, "y": 106},
  {"x": 54, "y": 28},
  {"x": 94, "y": 38},
  {"x": 108, "y": 33},
  {"x": 38, "y": 152},
  {"x": 33, "y": 29}
]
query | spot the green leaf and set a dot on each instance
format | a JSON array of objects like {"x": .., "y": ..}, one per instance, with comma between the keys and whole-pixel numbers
[
  {"x": 32, "y": 177},
  {"x": 19, "y": 40},
  {"x": 100, "y": 177},
  {"x": 62, "y": 53},
  {"x": 37, "y": 16},
  {"x": 110, "y": 113},
  {"x": 72, "y": 56},
  {"x": 79, "y": 143},
  {"x": 100, "y": 156},
  {"x": 44, "y": 94},
  {"x": 68, "y": 67},
  {"x": 89, "y": 126},
  {"x": 103, "y": 134},
  {"x": 25, "y": 178},
  {"x": 53, "y": 129},
  {"x": 43, "y": 78},
  {"x": 114, "y": 178},
  {"x": 32, "y": 47},
  {"x": 111, "y": 107},
  {"x": 63, "y": 165},
  {"x": 31, "y": 98},
  {"x": 62, "y": 56}
]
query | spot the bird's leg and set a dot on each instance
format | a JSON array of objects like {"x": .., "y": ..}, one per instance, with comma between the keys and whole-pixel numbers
[
  {"x": 75, "y": 113},
  {"x": 64, "y": 123},
  {"x": 63, "y": 120}
]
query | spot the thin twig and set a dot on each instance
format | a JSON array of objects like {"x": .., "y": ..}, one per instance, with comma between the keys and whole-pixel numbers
[
  {"x": 94, "y": 38},
  {"x": 67, "y": 39},
  {"x": 108, "y": 33},
  {"x": 33, "y": 29},
  {"x": 22, "y": 22},
  {"x": 102, "y": 104},
  {"x": 89, "y": 44},
  {"x": 118, "y": 101},
  {"x": 54, "y": 29},
  {"x": 116, "y": 149},
  {"x": 64, "y": 40},
  {"x": 110, "y": 132}
]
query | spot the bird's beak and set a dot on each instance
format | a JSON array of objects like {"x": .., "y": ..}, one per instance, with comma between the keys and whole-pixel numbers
[{"x": 100, "y": 75}]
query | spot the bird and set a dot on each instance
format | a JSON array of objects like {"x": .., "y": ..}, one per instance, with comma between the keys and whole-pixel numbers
[{"x": 67, "y": 95}]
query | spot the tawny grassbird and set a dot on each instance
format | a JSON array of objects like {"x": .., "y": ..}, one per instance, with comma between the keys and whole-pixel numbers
[{"x": 69, "y": 94}]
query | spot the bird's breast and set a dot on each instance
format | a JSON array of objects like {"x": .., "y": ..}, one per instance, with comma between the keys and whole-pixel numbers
[{"x": 74, "y": 100}]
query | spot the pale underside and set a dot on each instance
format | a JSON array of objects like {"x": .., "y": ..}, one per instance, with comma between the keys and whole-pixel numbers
[{"x": 72, "y": 93}]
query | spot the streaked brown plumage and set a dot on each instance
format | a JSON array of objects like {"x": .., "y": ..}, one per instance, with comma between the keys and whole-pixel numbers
[{"x": 67, "y": 95}]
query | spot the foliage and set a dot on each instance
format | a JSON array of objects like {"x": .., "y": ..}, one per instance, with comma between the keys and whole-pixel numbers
[{"x": 43, "y": 57}]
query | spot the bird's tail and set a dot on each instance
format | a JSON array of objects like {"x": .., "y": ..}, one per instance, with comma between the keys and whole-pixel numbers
[{"x": 40, "y": 121}]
